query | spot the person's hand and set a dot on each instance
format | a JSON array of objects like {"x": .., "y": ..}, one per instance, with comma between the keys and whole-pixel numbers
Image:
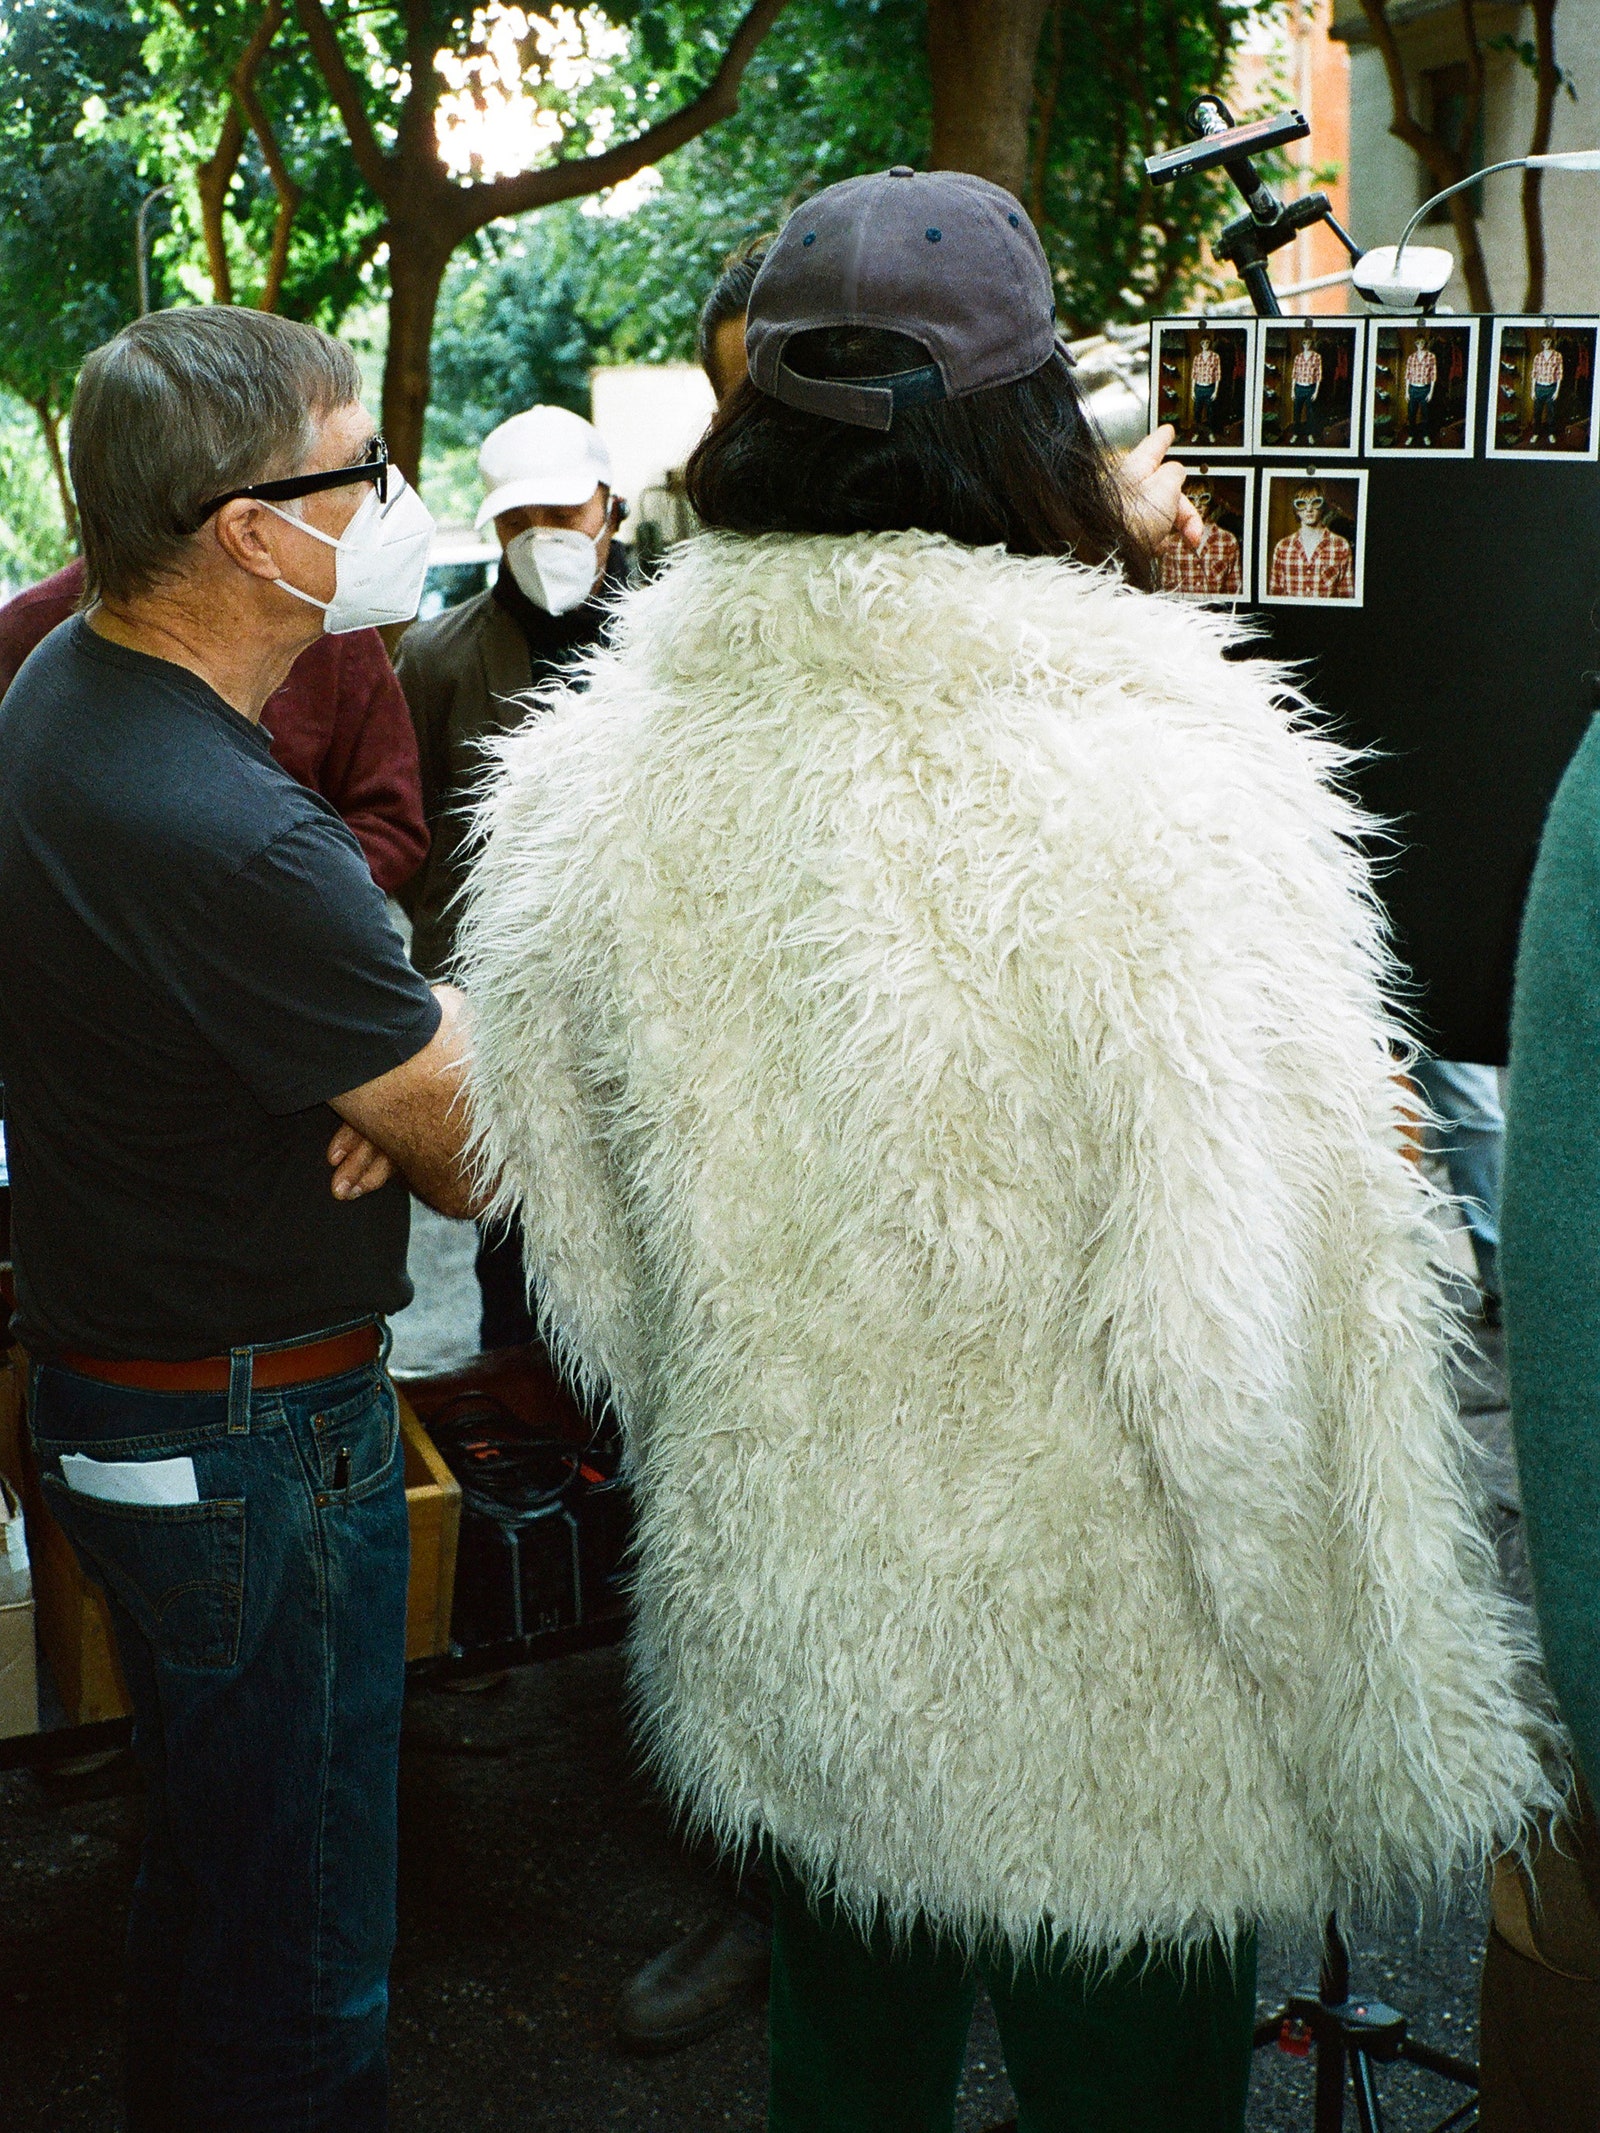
[
  {"x": 358, "y": 1167},
  {"x": 1155, "y": 490}
]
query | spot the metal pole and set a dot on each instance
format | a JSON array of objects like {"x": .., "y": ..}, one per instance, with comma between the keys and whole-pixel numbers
[{"x": 141, "y": 249}]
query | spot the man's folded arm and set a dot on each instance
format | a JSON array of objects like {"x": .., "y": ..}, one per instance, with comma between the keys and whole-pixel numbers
[{"x": 415, "y": 1115}]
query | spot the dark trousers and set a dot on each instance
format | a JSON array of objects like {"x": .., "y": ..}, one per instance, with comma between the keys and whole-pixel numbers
[
  {"x": 506, "y": 1319},
  {"x": 869, "y": 2036},
  {"x": 262, "y": 1634}
]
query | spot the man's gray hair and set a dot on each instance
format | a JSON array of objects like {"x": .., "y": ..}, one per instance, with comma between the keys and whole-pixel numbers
[{"x": 181, "y": 406}]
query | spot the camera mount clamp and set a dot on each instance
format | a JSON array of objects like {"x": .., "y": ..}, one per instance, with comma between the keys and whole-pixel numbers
[{"x": 1271, "y": 223}]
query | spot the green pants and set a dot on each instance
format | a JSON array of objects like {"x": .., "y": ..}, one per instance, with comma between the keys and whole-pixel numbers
[{"x": 869, "y": 2037}]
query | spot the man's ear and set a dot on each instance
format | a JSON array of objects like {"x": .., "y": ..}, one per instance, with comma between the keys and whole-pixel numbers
[{"x": 238, "y": 528}]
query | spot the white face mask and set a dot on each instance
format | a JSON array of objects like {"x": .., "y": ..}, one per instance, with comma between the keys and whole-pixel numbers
[
  {"x": 556, "y": 566},
  {"x": 380, "y": 560}
]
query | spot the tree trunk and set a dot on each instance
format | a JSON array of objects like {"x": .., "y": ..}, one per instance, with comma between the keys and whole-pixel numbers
[
  {"x": 982, "y": 55},
  {"x": 416, "y": 270},
  {"x": 1548, "y": 76},
  {"x": 50, "y": 423}
]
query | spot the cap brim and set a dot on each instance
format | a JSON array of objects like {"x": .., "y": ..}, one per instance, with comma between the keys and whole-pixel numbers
[{"x": 540, "y": 489}]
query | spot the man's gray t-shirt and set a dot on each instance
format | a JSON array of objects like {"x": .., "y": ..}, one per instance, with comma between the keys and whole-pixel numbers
[{"x": 193, "y": 961}]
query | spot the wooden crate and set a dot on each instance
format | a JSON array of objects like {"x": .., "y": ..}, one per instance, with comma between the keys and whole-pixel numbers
[
  {"x": 433, "y": 1499},
  {"x": 75, "y": 1626}
]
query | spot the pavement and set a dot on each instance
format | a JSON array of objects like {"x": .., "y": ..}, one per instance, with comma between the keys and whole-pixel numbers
[{"x": 538, "y": 1870}]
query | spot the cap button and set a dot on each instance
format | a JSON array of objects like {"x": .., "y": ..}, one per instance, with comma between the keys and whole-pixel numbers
[{"x": 901, "y": 170}]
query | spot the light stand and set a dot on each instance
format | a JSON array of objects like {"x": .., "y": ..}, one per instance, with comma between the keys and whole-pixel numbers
[{"x": 1271, "y": 223}]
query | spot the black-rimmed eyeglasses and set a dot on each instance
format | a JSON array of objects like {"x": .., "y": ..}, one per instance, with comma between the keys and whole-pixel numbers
[{"x": 374, "y": 468}]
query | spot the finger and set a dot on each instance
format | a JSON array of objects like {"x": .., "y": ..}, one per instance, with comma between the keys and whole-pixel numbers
[
  {"x": 363, "y": 1170},
  {"x": 1191, "y": 526},
  {"x": 1148, "y": 453},
  {"x": 342, "y": 1143}
]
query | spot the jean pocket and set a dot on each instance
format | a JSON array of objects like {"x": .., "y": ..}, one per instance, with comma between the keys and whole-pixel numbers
[
  {"x": 356, "y": 1440},
  {"x": 178, "y": 1569}
]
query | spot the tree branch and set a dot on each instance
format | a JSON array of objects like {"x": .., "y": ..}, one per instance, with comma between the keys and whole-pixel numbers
[
  {"x": 212, "y": 179},
  {"x": 288, "y": 192},
  {"x": 583, "y": 175},
  {"x": 1445, "y": 165},
  {"x": 348, "y": 100},
  {"x": 50, "y": 423},
  {"x": 1548, "y": 76}
]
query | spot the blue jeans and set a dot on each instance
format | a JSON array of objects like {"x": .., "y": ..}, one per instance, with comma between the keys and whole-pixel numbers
[
  {"x": 262, "y": 1634},
  {"x": 1470, "y": 1136}
]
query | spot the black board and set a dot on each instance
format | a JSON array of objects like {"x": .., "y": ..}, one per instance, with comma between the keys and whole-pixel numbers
[{"x": 1469, "y": 674}]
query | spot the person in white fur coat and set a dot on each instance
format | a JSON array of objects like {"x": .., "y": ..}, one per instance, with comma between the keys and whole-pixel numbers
[{"x": 929, "y": 1025}]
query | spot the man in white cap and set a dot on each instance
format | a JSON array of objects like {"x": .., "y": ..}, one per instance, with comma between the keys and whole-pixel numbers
[{"x": 548, "y": 491}]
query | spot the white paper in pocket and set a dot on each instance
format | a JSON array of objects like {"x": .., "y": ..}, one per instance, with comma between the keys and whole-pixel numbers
[{"x": 155, "y": 1481}]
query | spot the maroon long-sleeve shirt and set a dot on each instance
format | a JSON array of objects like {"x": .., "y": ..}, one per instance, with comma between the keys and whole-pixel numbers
[{"x": 339, "y": 724}]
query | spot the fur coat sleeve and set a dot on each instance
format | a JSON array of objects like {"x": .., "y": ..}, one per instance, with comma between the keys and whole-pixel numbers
[{"x": 930, "y": 1023}]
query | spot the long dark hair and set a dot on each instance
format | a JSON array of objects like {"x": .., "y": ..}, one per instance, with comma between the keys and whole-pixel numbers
[{"x": 1019, "y": 466}]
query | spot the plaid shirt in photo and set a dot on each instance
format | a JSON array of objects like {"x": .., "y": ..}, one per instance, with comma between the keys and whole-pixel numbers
[
  {"x": 1307, "y": 368},
  {"x": 1422, "y": 367},
  {"x": 1213, "y": 567},
  {"x": 1206, "y": 369},
  {"x": 1328, "y": 573},
  {"x": 1547, "y": 367}
]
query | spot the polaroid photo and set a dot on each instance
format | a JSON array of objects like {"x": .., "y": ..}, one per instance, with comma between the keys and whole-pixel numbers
[
  {"x": 1202, "y": 373},
  {"x": 1222, "y": 568},
  {"x": 1542, "y": 397},
  {"x": 1313, "y": 537},
  {"x": 1308, "y": 386},
  {"x": 1421, "y": 387}
]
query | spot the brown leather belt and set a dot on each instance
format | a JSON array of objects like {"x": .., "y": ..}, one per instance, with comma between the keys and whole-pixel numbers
[{"x": 298, "y": 1365}]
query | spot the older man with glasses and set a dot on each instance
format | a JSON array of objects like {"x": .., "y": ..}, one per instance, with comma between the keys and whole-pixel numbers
[{"x": 221, "y": 1074}]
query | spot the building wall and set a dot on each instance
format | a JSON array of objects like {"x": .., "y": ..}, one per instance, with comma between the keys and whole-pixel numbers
[
  {"x": 1295, "y": 58},
  {"x": 1388, "y": 183}
]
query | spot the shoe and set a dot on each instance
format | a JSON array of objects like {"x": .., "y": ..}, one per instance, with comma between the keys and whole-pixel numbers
[{"x": 695, "y": 1986}]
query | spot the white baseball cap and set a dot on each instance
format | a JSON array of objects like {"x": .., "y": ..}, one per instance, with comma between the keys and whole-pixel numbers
[{"x": 547, "y": 456}]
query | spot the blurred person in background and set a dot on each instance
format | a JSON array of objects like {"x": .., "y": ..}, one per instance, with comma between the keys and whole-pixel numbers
[
  {"x": 929, "y": 1018},
  {"x": 1539, "y": 2032},
  {"x": 719, "y": 338},
  {"x": 466, "y": 675},
  {"x": 338, "y": 723}
]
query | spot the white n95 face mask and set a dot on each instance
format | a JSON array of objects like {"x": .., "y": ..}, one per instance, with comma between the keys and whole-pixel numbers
[
  {"x": 380, "y": 560},
  {"x": 556, "y": 566}
]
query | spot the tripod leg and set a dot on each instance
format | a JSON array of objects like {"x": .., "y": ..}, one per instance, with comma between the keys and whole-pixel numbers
[
  {"x": 1329, "y": 2114},
  {"x": 1369, "y": 2112}
]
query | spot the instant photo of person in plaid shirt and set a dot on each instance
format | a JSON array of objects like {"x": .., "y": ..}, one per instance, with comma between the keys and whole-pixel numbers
[{"x": 1314, "y": 562}]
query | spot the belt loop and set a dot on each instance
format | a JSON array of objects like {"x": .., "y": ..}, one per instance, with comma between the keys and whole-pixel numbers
[{"x": 241, "y": 1365}]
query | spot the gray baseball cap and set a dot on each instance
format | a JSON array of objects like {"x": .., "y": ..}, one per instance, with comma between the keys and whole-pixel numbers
[{"x": 939, "y": 255}]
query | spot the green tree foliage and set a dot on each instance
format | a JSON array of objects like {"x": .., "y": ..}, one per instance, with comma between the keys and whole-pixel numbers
[
  {"x": 192, "y": 50},
  {"x": 66, "y": 236},
  {"x": 839, "y": 87},
  {"x": 1114, "y": 78}
]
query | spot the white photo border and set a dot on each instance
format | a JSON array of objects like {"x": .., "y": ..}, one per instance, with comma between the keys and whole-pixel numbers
[
  {"x": 1323, "y": 321},
  {"x": 1403, "y": 319},
  {"x": 1588, "y": 322},
  {"x": 1340, "y": 470},
  {"x": 1230, "y": 470},
  {"x": 1189, "y": 322}
]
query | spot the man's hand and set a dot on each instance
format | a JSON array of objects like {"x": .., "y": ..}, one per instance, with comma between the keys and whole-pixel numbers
[
  {"x": 415, "y": 1118},
  {"x": 1154, "y": 483},
  {"x": 358, "y": 1167}
]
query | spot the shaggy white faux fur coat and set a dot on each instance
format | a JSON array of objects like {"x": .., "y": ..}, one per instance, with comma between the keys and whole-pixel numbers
[{"x": 928, "y": 1022}]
